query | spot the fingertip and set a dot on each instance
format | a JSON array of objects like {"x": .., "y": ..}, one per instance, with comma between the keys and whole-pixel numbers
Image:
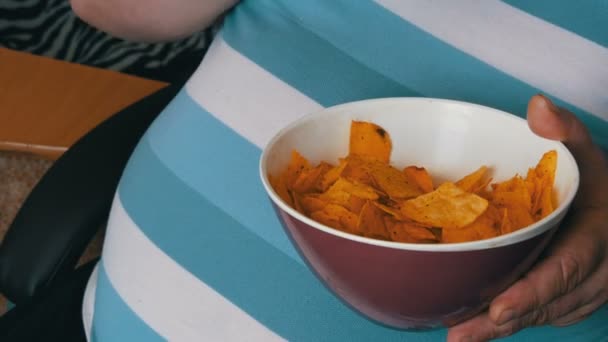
[
  {"x": 545, "y": 119},
  {"x": 500, "y": 311},
  {"x": 478, "y": 328}
]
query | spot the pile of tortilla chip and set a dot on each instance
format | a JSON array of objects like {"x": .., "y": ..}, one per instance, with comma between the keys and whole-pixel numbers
[{"x": 364, "y": 195}]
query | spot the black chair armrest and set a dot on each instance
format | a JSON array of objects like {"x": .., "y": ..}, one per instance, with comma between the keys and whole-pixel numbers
[{"x": 72, "y": 201}]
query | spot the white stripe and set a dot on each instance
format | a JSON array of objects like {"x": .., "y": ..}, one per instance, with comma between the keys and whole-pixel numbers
[
  {"x": 245, "y": 97},
  {"x": 537, "y": 52},
  {"x": 169, "y": 299},
  {"x": 88, "y": 304}
]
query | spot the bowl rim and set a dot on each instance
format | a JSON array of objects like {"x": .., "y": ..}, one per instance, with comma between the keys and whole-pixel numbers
[{"x": 522, "y": 234}]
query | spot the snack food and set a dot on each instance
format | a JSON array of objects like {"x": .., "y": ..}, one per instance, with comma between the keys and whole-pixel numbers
[{"x": 364, "y": 194}]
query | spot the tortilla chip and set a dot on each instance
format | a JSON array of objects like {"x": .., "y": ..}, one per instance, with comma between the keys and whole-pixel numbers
[
  {"x": 297, "y": 165},
  {"x": 543, "y": 178},
  {"x": 546, "y": 167},
  {"x": 309, "y": 180},
  {"x": 474, "y": 180},
  {"x": 354, "y": 188},
  {"x": 403, "y": 231},
  {"x": 391, "y": 210},
  {"x": 327, "y": 219},
  {"x": 311, "y": 203},
  {"x": 421, "y": 177},
  {"x": 364, "y": 195},
  {"x": 297, "y": 202},
  {"x": 358, "y": 169},
  {"x": 485, "y": 226},
  {"x": 279, "y": 184},
  {"x": 371, "y": 222},
  {"x": 332, "y": 175},
  {"x": 482, "y": 188},
  {"x": 337, "y": 217},
  {"x": 447, "y": 207},
  {"x": 519, "y": 217},
  {"x": 369, "y": 140},
  {"x": 393, "y": 182},
  {"x": 511, "y": 198},
  {"x": 465, "y": 234},
  {"x": 355, "y": 204},
  {"x": 544, "y": 205},
  {"x": 506, "y": 227}
]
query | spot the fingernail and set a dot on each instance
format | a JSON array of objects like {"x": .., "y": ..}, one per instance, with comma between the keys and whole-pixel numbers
[
  {"x": 505, "y": 317},
  {"x": 550, "y": 103}
]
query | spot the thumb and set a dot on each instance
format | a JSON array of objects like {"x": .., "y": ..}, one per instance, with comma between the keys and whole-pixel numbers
[{"x": 551, "y": 122}]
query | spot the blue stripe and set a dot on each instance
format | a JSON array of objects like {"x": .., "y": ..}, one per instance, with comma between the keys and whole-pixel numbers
[
  {"x": 588, "y": 18},
  {"x": 113, "y": 320},
  {"x": 307, "y": 62},
  {"x": 277, "y": 291},
  {"x": 317, "y": 46},
  {"x": 221, "y": 165}
]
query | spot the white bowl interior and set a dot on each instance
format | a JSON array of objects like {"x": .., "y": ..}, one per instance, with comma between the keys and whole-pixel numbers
[{"x": 449, "y": 138}]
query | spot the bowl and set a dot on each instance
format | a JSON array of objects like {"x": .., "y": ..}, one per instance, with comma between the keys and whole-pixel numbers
[{"x": 420, "y": 286}]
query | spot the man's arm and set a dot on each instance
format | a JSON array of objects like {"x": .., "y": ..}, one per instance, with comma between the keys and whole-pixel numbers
[{"x": 152, "y": 20}]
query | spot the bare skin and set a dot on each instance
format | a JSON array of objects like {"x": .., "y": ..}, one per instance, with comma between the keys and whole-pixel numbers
[
  {"x": 571, "y": 282},
  {"x": 151, "y": 20}
]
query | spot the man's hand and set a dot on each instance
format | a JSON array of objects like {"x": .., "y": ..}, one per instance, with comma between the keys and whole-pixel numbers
[{"x": 572, "y": 280}]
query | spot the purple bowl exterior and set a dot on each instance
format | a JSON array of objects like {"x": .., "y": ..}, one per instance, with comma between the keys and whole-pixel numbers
[{"x": 407, "y": 289}]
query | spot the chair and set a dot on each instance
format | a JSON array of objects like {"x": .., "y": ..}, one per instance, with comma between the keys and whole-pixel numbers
[{"x": 66, "y": 208}]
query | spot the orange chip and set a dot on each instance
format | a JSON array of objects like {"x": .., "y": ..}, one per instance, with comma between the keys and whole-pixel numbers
[
  {"x": 485, "y": 226},
  {"x": 519, "y": 217},
  {"x": 279, "y": 184},
  {"x": 391, "y": 210},
  {"x": 393, "y": 182},
  {"x": 488, "y": 224},
  {"x": 459, "y": 235},
  {"x": 332, "y": 175},
  {"x": 473, "y": 181},
  {"x": 369, "y": 140},
  {"x": 447, "y": 207},
  {"x": 506, "y": 227},
  {"x": 544, "y": 177},
  {"x": 546, "y": 166},
  {"x": 511, "y": 198},
  {"x": 338, "y": 217},
  {"x": 531, "y": 183},
  {"x": 350, "y": 195},
  {"x": 309, "y": 180},
  {"x": 327, "y": 219},
  {"x": 355, "y": 204},
  {"x": 371, "y": 222},
  {"x": 481, "y": 189},
  {"x": 358, "y": 169},
  {"x": 311, "y": 203},
  {"x": 367, "y": 196},
  {"x": 403, "y": 231},
  {"x": 421, "y": 177},
  {"x": 544, "y": 204},
  {"x": 296, "y": 166},
  {"x": 297, "y": 202},
  {"x": 353, "y": 188}
]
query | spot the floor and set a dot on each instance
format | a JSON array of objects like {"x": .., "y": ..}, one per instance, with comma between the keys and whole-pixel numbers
[{"x": 19, "y": 173}]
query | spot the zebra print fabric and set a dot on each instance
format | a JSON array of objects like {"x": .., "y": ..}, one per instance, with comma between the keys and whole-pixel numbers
[{"x": 50, "y": 28}]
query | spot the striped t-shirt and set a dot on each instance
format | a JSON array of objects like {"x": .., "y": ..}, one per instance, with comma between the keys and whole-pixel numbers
[{"x": 194, "y": 251}]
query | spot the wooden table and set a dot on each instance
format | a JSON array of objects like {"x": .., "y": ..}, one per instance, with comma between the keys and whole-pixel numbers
[{"x": 46, "y": 105}]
